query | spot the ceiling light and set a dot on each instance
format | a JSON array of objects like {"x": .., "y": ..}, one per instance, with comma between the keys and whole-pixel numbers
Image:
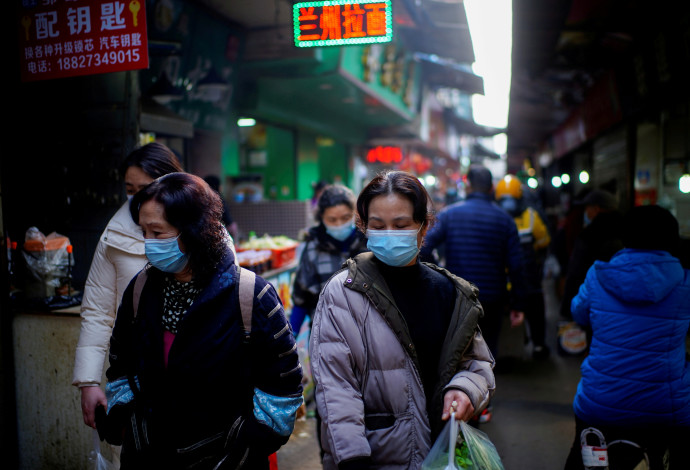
[
  {"x": 246, "y": 122},
  {"x": 684, "y": 184}
]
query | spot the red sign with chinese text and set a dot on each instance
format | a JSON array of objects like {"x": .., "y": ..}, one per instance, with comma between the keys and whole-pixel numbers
[
  {"x": 65, "y": 38},
  {"x": 342, "y": 22},
  {"x": 385, "y": 154}
]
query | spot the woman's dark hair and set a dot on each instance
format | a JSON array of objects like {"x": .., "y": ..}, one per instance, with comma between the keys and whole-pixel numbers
[
  {"x": 154, "y": 159},
  {"x": 650, "y": 228},
  {"x": 334, "y": 195},
  {"x": 396, "y": 182},
  {"x": 195, "y": 209}
]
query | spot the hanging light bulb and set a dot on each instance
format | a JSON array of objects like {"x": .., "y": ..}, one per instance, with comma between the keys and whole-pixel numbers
[{"x": 684, "y": 184}]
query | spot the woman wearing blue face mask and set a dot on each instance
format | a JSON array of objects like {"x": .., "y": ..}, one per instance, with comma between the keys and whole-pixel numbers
[
  {"x": 119, "y": 256},
  {"x": 395, "y": 346},
  {"x": 328, "y": 244},
  {"x": 216, "y": 396}
]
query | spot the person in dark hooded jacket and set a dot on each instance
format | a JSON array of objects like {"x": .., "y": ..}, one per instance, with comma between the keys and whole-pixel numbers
[
  {"x": 598, "y": 241},
  {"x": 328, "y": 245},
  {"x": 636, "y": 379}
]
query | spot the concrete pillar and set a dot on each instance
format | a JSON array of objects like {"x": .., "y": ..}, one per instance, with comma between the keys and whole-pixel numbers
[{"x": 51, "y": 431}]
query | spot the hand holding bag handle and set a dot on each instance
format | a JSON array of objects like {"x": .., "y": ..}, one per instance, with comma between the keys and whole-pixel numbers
[{"x": 451, "y": 443}]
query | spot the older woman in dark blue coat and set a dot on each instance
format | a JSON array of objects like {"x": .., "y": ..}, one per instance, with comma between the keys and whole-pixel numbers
[
  {"x": 636, "y": 379},
  {"x": 211, "y": 395}
]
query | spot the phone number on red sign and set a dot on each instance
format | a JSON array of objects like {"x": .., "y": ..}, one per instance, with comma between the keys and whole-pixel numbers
[{"x": 98, "y": 60}]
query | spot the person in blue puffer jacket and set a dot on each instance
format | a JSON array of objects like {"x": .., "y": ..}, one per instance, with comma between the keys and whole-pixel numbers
[
  {"x": 482, "y": 245},
  {"x": 635, "y": 381}
]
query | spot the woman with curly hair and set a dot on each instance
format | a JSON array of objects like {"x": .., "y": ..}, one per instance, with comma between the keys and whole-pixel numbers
[{"x": 212, "y": 394}]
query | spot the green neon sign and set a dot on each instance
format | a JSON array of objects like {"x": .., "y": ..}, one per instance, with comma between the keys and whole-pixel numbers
[{"x": 342, "y": 22}]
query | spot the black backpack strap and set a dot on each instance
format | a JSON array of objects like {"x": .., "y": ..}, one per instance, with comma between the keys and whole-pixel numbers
[{"x": 136, "y": 296}]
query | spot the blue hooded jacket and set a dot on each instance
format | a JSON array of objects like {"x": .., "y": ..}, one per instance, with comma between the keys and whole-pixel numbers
[{"x": 636, "y": 372}]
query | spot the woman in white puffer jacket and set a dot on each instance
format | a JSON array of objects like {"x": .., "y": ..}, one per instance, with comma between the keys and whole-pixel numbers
[{"x": 118, "y": 258}]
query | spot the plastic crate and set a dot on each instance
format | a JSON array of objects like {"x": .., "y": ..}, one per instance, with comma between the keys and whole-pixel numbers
[{"x": 283, "y": 256}]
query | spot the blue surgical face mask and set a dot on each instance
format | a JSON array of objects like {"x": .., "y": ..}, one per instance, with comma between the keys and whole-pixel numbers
[
  {"x": 340, "y": 232},
  {"x": 394, "y": 247},
  {"x": 129, "y": 197},
  {"x": 510, "y": 205},
  {"x": 165, "y": 254}
]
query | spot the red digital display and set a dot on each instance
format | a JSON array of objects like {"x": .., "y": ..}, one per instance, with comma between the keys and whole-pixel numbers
[{"x": 383, "y": 154}]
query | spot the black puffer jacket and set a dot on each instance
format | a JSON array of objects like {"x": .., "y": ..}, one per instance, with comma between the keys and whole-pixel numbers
[{"x": 211, "y": 376}]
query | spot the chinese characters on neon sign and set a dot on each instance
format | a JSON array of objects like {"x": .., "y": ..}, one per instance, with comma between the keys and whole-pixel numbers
[
  {"x": 385, "y": 154},
  {"x": 64, "y": 38},
  {"x": 342, "y": 22}
]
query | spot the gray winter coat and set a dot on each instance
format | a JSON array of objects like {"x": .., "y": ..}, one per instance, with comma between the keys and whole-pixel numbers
[{"x": 369, "y": 393}]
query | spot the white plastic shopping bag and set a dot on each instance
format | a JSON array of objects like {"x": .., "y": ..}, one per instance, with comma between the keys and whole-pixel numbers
[
  {"x": 462, "y": 447},
  {"x": 96, "y": 459}
]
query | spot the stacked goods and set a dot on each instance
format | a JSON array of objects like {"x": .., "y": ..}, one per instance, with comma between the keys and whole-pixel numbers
[
  {"x": 258, "y": 261},
  {"x": 283, "y": 249}
]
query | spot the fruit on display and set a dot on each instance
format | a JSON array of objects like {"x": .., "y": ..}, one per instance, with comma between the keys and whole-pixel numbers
[{"x": 268, "y": 242}]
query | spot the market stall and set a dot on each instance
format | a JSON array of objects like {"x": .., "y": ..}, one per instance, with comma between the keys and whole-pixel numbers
[{"x": 276, "y": 260}]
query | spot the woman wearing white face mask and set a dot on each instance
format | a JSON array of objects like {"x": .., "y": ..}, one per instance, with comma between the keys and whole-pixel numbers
[
  {"x": 395, "y": 346},
  {"x": 118, "y": 258}
]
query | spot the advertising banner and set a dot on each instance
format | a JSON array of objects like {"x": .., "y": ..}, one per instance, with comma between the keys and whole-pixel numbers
[{"x": 66, "y": 38}]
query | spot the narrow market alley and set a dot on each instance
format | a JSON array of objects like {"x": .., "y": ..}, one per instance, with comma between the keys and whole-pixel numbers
[{"x": 532, "y": 425}]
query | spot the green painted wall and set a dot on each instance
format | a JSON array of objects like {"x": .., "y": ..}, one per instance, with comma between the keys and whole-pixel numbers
[
  {"x": 279, "y": 174},
  {"x": 230, "y": 157},
  {"x": 319, "y": 159},
  {"x": 353, "y": 61},
  {"x": 333, "y": 162},
  {"x": 308, "y": 171}
]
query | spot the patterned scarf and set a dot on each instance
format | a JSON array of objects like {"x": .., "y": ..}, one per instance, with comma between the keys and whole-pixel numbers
[{"x": 177, "y": 298}]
